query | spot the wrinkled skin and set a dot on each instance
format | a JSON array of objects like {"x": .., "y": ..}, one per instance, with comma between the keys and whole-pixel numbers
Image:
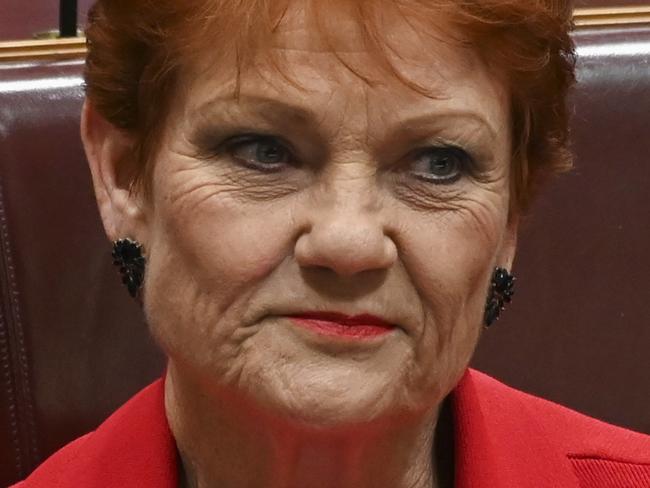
[{"x": 350, "y": 222}]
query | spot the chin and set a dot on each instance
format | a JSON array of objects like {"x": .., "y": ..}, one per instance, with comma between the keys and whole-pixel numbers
[
  {"x": 331, "y": 413},
  {"x": 320, "y": 384},
  {"x": 325, "y": 398}
]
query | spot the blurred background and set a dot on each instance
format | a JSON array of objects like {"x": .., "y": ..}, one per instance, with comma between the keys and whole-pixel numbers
[{"x": 22, "y": 19}]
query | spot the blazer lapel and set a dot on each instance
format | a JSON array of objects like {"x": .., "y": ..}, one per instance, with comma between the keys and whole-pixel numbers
[
  {"x": 499, "y": 441},
  {"x": 136, "y": 447},
  {"x": 133, "y": 448}
]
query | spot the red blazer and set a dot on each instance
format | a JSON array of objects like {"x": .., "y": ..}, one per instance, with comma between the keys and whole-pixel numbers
[{"x": 503, "y": 439}]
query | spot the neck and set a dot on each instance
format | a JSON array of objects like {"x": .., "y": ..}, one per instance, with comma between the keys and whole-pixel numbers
[{"x": 225, "y": 442}]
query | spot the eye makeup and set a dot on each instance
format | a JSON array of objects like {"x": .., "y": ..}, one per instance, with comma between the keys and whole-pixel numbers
[
  {"x": 442, "y": 164},
  {"x": 262, "y": 152},
  {"x": 435, "y": 151}
]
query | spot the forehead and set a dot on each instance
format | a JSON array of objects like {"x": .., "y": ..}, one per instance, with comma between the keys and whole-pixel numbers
[{"x": 389, "y": 64}]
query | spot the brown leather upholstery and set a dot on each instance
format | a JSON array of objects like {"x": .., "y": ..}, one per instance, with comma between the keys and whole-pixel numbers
[{"x": 73, "y": 346}]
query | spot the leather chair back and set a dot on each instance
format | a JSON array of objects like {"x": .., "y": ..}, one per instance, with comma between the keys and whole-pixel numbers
[{"x": 72, "y": 344}]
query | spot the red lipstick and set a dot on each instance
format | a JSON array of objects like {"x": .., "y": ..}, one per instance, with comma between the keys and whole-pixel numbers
[{"x": 336, "y": 324}]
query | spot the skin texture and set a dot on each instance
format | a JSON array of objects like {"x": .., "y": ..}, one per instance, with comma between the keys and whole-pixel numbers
[{"x": 349, "y": 224}]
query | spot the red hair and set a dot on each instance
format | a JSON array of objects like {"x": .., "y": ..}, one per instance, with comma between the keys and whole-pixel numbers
[{"x": 138, "y": 48}]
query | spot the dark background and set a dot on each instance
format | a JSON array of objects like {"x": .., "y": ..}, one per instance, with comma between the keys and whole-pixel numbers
[{"x": 21, "y": 19}]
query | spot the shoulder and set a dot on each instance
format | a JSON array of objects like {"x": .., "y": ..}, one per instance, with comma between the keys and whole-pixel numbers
[
  {"x": 132, "y": 448},
  {"x": 596, "y": 450},
  {"x": 50, "y": 473}
]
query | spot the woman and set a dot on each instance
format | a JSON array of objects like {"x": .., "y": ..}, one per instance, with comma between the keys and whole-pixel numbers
[{"x": 317, "y": 205}]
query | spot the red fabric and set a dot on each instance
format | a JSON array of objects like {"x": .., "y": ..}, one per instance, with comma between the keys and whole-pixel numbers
[
  {"x": 507, "y": 438},
  {"x": 603, "y": 473},
  {"x": 504, "y": 439},
  {"x": 132, "y": 449}
]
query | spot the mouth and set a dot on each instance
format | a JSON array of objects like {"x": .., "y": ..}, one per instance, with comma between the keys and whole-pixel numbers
[{"x": 334, "y": 324}]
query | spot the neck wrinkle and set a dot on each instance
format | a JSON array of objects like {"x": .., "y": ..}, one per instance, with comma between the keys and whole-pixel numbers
[{"x": 231, "y": 448}]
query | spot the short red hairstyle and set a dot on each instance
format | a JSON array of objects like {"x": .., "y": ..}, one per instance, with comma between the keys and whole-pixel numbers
[{"x": 137, "y": 49}]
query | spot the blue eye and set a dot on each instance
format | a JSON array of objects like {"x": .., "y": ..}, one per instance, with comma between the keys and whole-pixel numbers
[
  {"x": 440, "y": 164},
  {"x": 265, "y": 152}
]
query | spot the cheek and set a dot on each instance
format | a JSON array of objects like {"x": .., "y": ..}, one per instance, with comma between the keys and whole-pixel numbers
[
  {"x": 220, "y": 238},
  {"x": 449, "y": 258},
  {"x": 208, "y": 253}
]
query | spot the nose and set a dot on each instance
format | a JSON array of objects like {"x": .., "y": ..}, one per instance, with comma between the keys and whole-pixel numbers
[{"x": 347, "y": 241}]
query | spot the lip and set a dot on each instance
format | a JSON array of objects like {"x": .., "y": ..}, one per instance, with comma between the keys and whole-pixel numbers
[{"x": 333, "y": 324}]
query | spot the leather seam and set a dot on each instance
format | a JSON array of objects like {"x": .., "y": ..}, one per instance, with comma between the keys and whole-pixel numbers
[
  {"x": 9, "y": 389},
  {"x": 23, "y": 398}
]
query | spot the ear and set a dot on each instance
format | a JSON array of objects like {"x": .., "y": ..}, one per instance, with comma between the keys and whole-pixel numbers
[
  {"x": 112, "y": 163},
  {"x": 508, "y": 250}
]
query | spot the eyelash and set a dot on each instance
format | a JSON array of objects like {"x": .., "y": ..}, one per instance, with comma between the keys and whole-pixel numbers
[
  {"x": 465, "y": 163},
  {"x": 231, "y": 145},
  {"x": 240, "y": 141}
]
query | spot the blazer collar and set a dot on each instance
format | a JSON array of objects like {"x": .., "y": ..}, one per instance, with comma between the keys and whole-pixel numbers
[
  {"x": 134, "y": 448},
  {"x": 501, "y": 442}
]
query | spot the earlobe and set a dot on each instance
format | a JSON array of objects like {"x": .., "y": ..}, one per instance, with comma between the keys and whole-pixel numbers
[
  {"x": 501, "y": 287},
  {"x": 109, "y": 151},
  {"x": 509, "y": 244}
]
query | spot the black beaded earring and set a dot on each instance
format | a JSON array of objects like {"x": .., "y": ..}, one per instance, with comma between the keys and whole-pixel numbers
[
  {"x": 129, "y": 258},
  {"x": 500, "y": 293}
]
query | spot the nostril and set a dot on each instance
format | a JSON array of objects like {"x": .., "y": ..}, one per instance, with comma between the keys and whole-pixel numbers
[{"x": 329, "y": 283}]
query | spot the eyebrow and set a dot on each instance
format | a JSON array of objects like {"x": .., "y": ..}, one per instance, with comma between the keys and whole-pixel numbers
[
  {"x": 277, "y": 112},
  {"x": 413, "y": 127},
  {"x": 269, "y": 109}
]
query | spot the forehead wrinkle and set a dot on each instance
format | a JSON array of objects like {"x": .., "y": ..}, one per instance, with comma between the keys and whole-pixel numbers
[
  {"x": 293, "y": 64},
  {"x": 395, "y": 35},
  {"x": 370, "y": 52},
  {"x": 328, "y": 98},
  {"x": 301, "y": 29},
  {"x": 374, "y": 43}
]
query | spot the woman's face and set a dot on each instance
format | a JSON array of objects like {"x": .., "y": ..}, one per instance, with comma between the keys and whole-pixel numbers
[{"x": 320, "y": 192}]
